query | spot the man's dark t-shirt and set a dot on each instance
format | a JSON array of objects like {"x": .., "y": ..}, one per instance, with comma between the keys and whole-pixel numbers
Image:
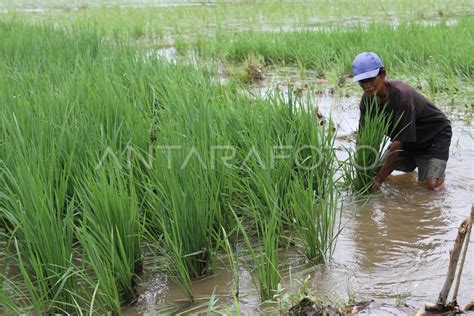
[{"x": 422, "y": 128}]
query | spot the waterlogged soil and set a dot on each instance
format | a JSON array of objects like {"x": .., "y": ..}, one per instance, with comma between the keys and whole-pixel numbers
[{"x": 393, "y": 248}]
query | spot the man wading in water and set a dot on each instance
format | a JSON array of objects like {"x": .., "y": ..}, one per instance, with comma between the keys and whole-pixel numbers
[{"x": 423, "y": 133}]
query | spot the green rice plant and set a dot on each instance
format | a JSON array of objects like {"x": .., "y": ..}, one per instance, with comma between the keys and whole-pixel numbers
[
  {"x": 68, "y": 104},
  {"x": 267, "y": 143},
  {"x": 188, "y": 188},
  {"x": 40, "y": 222},
  {"x": 110, "y": 233},
  {"x": 183, "y": 211},
  {"x": 35, "y": 205},
  {"x": 314, "y": 215},
  {"x": 232, "y": 259},
  {"x": 290, "y": 131},
  {"x": 7, "y": 285},
  {"x": 6, "y": 300},
  {"x": 362, "y": 164},
  {"x": 264, "y": 254},
  {"x": 159, "y": 22},
  {"x": 312, "y": 192},
  {"x": 51, "y": 125},
  {"x": 315, "y": 157},
  {"x": 413, "y": 46}
]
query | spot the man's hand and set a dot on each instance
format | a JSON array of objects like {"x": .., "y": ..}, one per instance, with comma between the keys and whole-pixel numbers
[{"x": 388, "y": 166}]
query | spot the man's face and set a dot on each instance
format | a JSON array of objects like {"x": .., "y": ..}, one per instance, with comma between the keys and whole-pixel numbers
[{"x": 373, "y": 85}]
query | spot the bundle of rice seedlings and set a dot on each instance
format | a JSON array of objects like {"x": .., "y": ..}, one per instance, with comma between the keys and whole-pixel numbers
[{"x": 362, "y": 165}]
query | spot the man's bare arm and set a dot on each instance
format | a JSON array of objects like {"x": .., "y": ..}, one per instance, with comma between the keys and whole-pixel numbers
[{"x": 390, "y": 163}]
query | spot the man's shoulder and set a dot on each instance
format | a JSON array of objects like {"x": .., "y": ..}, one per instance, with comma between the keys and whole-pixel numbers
[
  {"x": 402, "y": 93},
  {"x": 401, "y": 88}
]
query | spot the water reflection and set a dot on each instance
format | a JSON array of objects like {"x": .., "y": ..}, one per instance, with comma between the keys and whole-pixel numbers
[{"x": 396, "y": 231}]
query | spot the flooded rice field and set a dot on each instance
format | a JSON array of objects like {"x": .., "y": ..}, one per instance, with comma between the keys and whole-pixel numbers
[
  {"x": 393, "y": 247},
  {"x": 43, "y": 6},
  {"x": 215, "y": 16}
]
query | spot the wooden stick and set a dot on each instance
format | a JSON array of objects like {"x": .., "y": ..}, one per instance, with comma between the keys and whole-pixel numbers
[
  {"x": 453, "y": 261},
  {"x": 463, "y": 256}
]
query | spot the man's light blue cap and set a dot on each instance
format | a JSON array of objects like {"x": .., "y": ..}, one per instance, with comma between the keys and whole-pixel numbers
[{"x": 366, "y": 65}]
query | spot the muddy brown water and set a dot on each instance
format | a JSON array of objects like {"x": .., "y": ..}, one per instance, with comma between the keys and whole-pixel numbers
[{"x": 393, "y": 248}]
